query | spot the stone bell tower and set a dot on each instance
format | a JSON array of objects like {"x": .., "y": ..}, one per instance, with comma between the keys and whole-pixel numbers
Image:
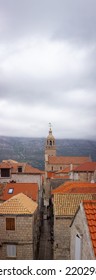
[{"x": 50, "y": 147}]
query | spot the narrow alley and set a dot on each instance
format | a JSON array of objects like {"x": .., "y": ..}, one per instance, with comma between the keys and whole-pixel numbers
[{"x": 45, "y": 245}]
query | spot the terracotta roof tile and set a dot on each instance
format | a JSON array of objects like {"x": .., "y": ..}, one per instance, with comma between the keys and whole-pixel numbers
[
  {"x": 87, "y": 166},
  {"x": 61, "y": 176},
  {"x": 5, "y": 165},
  {"x": 76, "y": 187},
  {"x": 26, "y": 168},
  {"x": 19, "y": 204},
  {"x": 50, "y": 174},
  {"x": 67, "y": 160},
  {"x": 29, "y": 189},
  {"x": 90, "y": 211},
  {"x": 30, "y": 169},
  {"x": 65, "y": 170},
  {"x": 67, "y": 204},
  {"x": 53, "y": 175}
]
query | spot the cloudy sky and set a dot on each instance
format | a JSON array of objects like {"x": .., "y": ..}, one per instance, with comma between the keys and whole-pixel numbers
[{"x": 48, "y": 68}]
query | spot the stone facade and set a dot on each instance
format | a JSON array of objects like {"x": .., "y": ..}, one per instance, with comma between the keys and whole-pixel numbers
[
  {"x": 24, "y": 237},
  {"x": 83, "y": 176},
  {"x": 23, "y": 178},
  {"x": 50, "y": 149},
  {"x": 61, "y": 249},
  {"x": 64, "y": 208},
  {"x": 55, "y": 167},
  {"x": 79, "y": 226}
]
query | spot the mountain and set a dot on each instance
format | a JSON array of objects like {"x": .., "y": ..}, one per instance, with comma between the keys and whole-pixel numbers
[{"x": 31, "y": 150}]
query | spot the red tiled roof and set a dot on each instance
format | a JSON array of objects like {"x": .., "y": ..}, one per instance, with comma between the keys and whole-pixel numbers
[
  {"x": 53, "y": 175},
  {"x": 90, "y": 211},
  {"x": 75, "y": 187},
  {"x": 26, "y": 168},
  {"x": 57, "y": 176},
  {"x": 50, "y": 175},
  {"x": 65, "y": 170},
  {"x": 5, "y": 165},
  {"x": 67, "y": 160},
  {"x": 29, "y": 189},
  {"x": 87, "y": 166}
]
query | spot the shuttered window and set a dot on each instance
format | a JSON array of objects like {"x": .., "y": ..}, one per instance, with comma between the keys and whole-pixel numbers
[
  {"x": 5, "y": 172},
  {"x": 20, "y": 169},
  {"x": 11, "y": 251},
  {"x": 10, "y": 223}
]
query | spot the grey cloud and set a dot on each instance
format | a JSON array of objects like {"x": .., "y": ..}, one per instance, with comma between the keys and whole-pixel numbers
[{"x": 71, "y": 19}]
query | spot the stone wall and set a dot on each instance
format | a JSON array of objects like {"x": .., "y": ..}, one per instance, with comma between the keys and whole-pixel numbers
[
  {"x": 27, "y": 178},
  {"x": 54, "y": 183},
  {"x": 55, "y": 167},
  {"x": 61, "y": 250},
  {"x": 23, "y": 178},
  {"x": 84, "y": 176},
  {"x": 23, "y": 236},
  {"x": 80, "y": 226},
  {"x": 23, "y": 252}
]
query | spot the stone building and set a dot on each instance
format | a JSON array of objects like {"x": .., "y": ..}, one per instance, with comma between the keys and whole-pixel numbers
[
  {"x": 18, "y": 228},
  {"x": 58, "y": 163},
  {"x": 20, "y": 172},
  {"x": 83, "y": 232},
  {"x": 66, "y": 200},
  {"x": 84, "y": 172},
  {"x": 54, "y": 163},
  {"x": 13, "y": 171}
]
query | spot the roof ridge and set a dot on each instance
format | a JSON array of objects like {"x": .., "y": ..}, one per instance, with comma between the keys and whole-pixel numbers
[{"x": 21, "y": 203}]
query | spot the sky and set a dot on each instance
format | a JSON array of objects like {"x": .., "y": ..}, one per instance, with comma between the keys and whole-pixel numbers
[{"x": 48, "y": 68}]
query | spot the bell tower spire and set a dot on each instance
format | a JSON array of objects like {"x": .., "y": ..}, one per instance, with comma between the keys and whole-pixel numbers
[
  {"x": 50, "y": 149},
  {"x": 50, "y": 146},
  {"x": 50, "y": 126}
]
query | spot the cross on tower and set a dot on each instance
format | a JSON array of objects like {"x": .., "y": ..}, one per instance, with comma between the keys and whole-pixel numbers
[{"x": 50, "y": 126}]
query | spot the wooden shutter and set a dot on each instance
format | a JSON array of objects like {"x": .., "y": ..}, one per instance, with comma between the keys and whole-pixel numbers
[{"x": 10, "y": 223}]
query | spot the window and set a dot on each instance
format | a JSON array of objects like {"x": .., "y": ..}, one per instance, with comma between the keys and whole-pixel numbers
[
  {"x": 51, "y": 142},
  {"x": 5, "y": 172},
  {"x": 10, "y": 191},
  {"x": 11, "y": 251},
  {"x": 20, "y": 169},
  {"x": 78, "y": 243},
  {"x": 10, "y": 223}
]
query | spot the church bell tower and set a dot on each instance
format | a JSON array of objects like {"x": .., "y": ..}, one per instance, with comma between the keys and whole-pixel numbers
[{"x": 50, "y": 146}]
